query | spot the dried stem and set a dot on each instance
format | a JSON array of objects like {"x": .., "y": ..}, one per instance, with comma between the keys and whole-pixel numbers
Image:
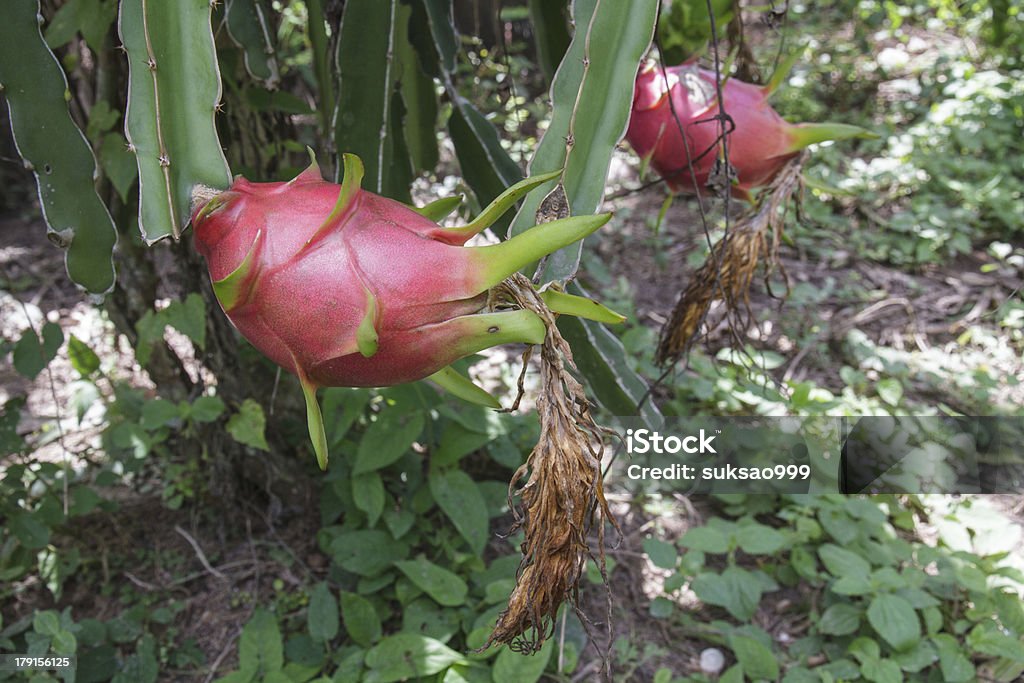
[
  {"x": 732, "y": 263},
  {"x": 562, "y": 500}
]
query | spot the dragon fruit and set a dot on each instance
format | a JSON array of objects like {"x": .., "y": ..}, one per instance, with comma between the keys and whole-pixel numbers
[
  {"x": 759, "y": 146},
  {"x": 343, "y": 287}
]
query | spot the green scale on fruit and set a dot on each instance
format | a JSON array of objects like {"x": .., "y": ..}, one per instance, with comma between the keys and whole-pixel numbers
[{"x": 343, "y": 287}]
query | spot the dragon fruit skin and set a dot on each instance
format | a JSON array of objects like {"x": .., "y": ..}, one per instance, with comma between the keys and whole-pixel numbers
[
  {"x": 343, "y": 287},
  {"x": 759, "y": 146}
]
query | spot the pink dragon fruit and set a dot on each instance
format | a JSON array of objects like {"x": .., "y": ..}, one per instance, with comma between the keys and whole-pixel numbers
[
  {"x": 347, "y": 288},
  {"x": 759, "y": 146}
]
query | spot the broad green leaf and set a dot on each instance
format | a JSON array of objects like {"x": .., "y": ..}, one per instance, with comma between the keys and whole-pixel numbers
[
  {"x": 158, "y": 413},
  {"x": 407, "y": 656},
  {"x": 361, "y": 619},
  {"x": 661, "y": 554},
  {"x": 83, "y": 359},
  {"x": 840, "y": 619},
  {"x": 446, "y": 588},
  {"x": 188, "y": 317},
  {"x": 757, "y": 660},
  {"x": 987, "y": 640},
  {"x": 260, "y": 647},
  {"x": 206, "y": 409},
  {"x": 54, "y": 148},
  {"x": 174, "y": 91},
  {"x": 368, "y": 494},
  {"x": 735, "y": 589},
  {"x": 918, "y": 657},
  {"x": 248, "y": 24},
  {"x": 118, "y": 163},
  {"x": 758, "y": 539},
  {"x": 322, "y": 615},
  {"x": 895, "y": 620},
  {"x": 706, "y": 540},
  {"x": 456, "y": 442},
  {"x": 32, "y": 355},
  {"x": 248, "y": 424},
  {"x": 341, "y": 407},
  {"x": 513, "y": 667},
  {"x": 956, "y": 668},
  {"x": 366, "y": 552},
  {"x": 851, "y": 584},
  {"x": 842, "y": 562},
  {"x": 459, "y": 497},
  {"x": 591, "y": 97},
  {"x": 387, "y": 439},
  {"x": 881, "y": 671}
]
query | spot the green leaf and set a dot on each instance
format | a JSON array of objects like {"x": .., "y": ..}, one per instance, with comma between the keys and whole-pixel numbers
[
  {"x": 882, "y": 671},
  {"x": 83, "y": 359},
  {"x": 31, "y": 356},
  {"x": 387, "y": 439},
  {"x": 443, "y": 586},
  {"x": 956, "y": 668},
  {"x": 735, "y": 589},
  {"x": 322, "y": 615},
  {"x": 757, "y": 660},
  {"x": 260, "y": 648},
  {"x": 249, "y": 26},
  {"x": 366, "y": 552},
  {"x": 188, "y": 317},
  {"x": 174, "y": 90},
  {"x": 840, "y": 619},
  {"x": 513, "y": 667},
  {"x": 842, "y": 562},
  {"x": 918, "y": 657},
  {"x": 460, "y": 499},
  {"x": 706, "y": 540},
  {"x": 368, "y": 495},
  {"x": 986, "y": 640},
  {"x": 591, "y": 97},
  {"x": 851, "y": 585},
  {"x": 407, "y": 656},
  {"x": 118, "y": 163},
  {"x": 758, "y": 539},
  {"x": 206, "y": 409},
  {"x": 158, "y": 413},
  {"x": 661, "y": 554},
  {"x": 890, "y": 390},
  {"x": 895, "y": 620},
  {"x": 361, "y": 620},
  {"x": 685, "y": 29},
  {"x": 248, "y": 424},
  {"x": 662, "y": 608}
]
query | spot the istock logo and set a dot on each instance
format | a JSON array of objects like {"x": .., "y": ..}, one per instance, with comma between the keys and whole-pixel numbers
[{"x": 641, "y": 441}]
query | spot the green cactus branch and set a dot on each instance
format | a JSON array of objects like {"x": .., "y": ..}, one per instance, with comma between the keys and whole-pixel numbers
[
  {"x": 173, "y": 95},
  {"x": 247, "y": 25},
  {"x": 54, "y": 148}
]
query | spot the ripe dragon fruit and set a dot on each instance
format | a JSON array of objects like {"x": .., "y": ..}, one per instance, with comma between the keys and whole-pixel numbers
[
  {"x": 344, "y": 287},
  {"x": 759, "y": 146}
]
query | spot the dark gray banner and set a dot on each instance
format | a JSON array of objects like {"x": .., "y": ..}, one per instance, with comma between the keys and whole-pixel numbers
[{"x": 824, "y": 454}]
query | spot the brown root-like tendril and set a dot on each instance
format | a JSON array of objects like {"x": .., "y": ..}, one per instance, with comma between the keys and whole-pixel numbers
[
  {"x": 562, "y": 499},
  {"x": 729, "y": 270}
]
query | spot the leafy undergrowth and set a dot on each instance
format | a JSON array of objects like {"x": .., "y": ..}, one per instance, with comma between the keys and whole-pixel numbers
[{"x": 833, "y": 588}]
